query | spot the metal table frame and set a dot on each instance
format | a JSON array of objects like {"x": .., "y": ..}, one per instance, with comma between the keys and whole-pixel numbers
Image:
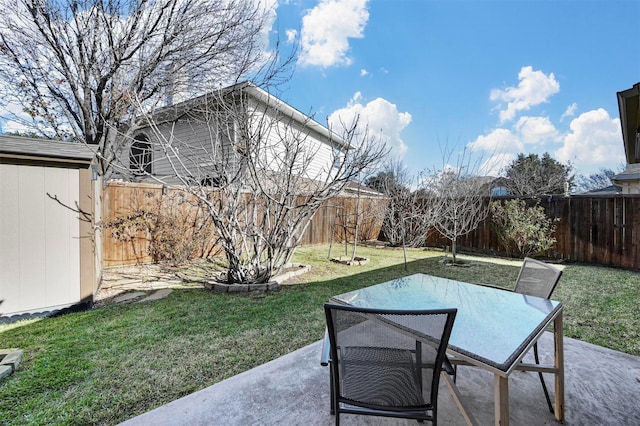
[{"x": 425, "y": 291}]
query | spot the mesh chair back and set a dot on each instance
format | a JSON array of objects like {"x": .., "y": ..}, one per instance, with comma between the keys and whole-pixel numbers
[
  {"x": 537, "y": 278},
  {"x": 378, "y": 366}
]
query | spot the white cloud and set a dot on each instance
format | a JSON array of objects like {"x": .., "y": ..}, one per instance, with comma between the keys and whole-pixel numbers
[
  {"x": 534, "y": 88},
  {"x": 592, "y": 141},
  {"x": 535, "y": 130},
  {"x": 363, "y": 72},
  {"x": 327, "y": 28},
  {"x": 14, "y": 119},
  {"x": 15, "y": 127},
  {"x": 526, "y": 131},
  {"x": 498, "y": 141},
  {"x": 595, "y": 140},
  {"x": 382, "y": 118},
  {"x": 570, "y": 111},
  {"x": 495, "y": 164},
  {"x": 291, "y": 35},
  {"x": 503, "y": 144},
  {"x": 270, "y": 8}
]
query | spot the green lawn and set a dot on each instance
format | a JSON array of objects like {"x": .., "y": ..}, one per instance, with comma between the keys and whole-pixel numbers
[{"x": 111, "y": 363}]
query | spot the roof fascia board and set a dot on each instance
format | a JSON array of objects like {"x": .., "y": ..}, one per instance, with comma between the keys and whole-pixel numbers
[
  {"x": 624, "y": 97},
  {"x": 286, "y": 109},
  {"x": 43, "y": 159}
]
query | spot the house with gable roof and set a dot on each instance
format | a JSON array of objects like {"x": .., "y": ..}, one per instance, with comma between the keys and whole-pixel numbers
[{"x": 203, "y": 138}]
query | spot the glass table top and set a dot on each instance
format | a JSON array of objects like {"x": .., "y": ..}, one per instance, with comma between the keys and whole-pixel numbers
[{"x": 493, "y": 326}]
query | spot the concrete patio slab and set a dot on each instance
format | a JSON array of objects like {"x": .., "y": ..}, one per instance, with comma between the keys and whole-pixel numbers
[{"x": 602, "y": 388}]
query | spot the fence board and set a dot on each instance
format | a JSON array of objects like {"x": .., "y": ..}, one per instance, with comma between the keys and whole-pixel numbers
[
  {"x": 122, "y": 198},
  {"x": 602, "y": 230}
]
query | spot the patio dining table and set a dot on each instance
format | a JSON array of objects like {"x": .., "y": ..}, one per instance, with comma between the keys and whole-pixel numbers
[{"x": 493, "y": 330}]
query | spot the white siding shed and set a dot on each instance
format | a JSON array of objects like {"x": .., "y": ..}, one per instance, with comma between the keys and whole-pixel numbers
[{"x": 47, "y": 256}]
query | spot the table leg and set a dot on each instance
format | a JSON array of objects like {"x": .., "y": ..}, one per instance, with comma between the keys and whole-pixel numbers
[
  {"x": 501, "y": 399},
  {"x": 558, "y": 343},
  {"x": 457, "y": 398}
]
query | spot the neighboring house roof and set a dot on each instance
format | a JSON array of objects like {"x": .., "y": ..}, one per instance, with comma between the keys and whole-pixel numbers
[
  {"x": 174, "y": 112},
  {"x": 607, "y": 190},
  {"x": 38, "y": 149},
  {"x": 355, "y": 187},
  {"x": 627, "y": 175},
  {"x": 491, "y": 185}
]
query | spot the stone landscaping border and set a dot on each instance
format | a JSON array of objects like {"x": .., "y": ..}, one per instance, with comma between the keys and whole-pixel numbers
[
  {"x": 9, "y": 361},
  {"x": 292, "y": 270},
  {"x": 219, "y": 287},
  {"x": 347, "y": 260},
  {"x": 138, "y": 282}
]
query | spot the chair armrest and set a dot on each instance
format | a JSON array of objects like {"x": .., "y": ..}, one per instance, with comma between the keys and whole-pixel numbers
[{"x": 325, "y": 355}]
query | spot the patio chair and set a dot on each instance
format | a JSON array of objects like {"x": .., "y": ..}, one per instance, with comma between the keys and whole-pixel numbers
[
  {"x": 386, "y": 362},
  {"x": 538, "y": 279}
]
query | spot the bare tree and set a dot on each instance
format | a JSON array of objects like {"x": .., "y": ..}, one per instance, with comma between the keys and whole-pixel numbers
[
  {"x": 259, "y": 172},
  {"x": 73, "y": 68},
  {"x": 99, "y": 71},
  {"x": 409, "y": 216},
  {"x": 360, "y": 220},
  {"x": 371, "y": 213},
  {"x": 598, "y": 180},
  {"x": 459, "y": 197}
]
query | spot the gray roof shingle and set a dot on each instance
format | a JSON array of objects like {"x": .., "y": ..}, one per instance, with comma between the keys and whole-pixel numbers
[{"x": 47, "y": 148}]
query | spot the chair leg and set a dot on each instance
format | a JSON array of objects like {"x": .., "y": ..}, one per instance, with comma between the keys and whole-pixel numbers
[
  {"x": 332, "y": 409},
  {"x": 544, "y": 385}
]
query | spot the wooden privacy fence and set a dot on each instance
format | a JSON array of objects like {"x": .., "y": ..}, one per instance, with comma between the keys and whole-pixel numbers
[
  {"x": 132, "y": 212},
  {"x": 602, "y": 230}
]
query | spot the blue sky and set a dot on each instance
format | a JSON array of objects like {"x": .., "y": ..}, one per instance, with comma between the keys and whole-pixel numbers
[{"x": 496, "y": 77}]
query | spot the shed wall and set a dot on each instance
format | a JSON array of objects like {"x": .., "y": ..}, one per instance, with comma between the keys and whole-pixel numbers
[{"x": 39, "y": 238}]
